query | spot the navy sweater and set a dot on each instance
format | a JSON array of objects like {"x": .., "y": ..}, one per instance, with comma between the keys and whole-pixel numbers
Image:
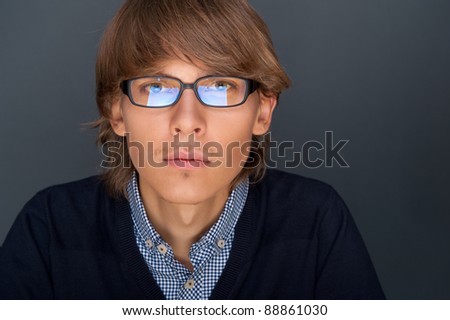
[{"x": 295, "y": 239}]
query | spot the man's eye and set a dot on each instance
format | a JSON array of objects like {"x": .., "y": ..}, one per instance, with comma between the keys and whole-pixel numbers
[
  {"x": 155, "y": 87},
  {"x": 221, "y": 85}
]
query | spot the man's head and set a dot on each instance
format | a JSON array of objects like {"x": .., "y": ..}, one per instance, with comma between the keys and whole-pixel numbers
[{"x": 186, "y": 40}]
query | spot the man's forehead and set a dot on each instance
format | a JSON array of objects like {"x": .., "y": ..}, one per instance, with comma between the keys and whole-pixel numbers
[{"x": 179, "y": 69}]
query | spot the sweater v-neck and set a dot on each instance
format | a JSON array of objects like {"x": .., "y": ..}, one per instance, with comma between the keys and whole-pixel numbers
[{"x": 236, "y": 268}]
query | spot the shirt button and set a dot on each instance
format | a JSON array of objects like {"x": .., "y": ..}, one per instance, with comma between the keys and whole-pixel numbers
[
  {"x": 189, "y": 284},
  {"x": 162, "y": 249},
  {"x": 221, "y": 243},
  {"x": 149, "y": 243}
]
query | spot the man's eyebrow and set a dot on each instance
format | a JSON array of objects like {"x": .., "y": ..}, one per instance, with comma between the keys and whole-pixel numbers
[
  {"x": 165, "y": 74},
  {"x": 162, "y": 74}
]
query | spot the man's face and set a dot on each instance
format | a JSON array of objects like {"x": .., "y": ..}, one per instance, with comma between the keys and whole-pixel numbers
[{"x": 189, "y": 153}]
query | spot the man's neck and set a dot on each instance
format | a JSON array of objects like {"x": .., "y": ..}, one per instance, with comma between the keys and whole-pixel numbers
[{"x": 181, "y": 225}]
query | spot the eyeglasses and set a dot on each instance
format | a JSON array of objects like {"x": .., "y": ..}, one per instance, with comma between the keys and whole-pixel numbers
[{"x": 212, "y": 91}]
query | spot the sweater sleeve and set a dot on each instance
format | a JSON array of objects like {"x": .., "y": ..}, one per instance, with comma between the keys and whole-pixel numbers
[
  {"x": 345, "y": 270},
  {"x": 24, "y": 256}
]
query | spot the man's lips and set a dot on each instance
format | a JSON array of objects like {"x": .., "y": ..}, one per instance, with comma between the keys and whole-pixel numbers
[
  {"x": 186, "y": 157},
  {"x": 184, "y": 160}
]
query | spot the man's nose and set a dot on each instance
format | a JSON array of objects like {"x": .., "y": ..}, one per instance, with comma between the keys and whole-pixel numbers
[{"x": 188, "y": 116}]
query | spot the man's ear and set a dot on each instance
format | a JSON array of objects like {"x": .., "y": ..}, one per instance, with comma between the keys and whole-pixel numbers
[
  {"x": 116, "y": 119},
  {"x": 266, "y": 106}
]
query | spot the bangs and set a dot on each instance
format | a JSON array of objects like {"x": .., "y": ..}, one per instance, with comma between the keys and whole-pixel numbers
[{"x": 206, "y": 32}]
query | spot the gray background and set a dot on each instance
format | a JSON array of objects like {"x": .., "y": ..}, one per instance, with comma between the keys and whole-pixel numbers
[{"x": 374, "y": 72}]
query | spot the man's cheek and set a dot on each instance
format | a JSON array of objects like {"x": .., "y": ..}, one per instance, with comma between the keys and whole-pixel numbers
[
  {"x": 237, "y": 153},
  {"x": 137, "y": 153}
]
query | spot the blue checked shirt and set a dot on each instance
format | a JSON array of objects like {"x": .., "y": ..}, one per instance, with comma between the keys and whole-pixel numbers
[{"x": 208, "y": 256}]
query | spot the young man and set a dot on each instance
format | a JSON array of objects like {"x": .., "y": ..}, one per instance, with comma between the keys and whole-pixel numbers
[{"x": 186, "y": 90}]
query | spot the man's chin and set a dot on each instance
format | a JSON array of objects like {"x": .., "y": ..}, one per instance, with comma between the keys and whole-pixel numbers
[
  {"x": 184, "y": 197},
  {"x": 187, "y": 187}
]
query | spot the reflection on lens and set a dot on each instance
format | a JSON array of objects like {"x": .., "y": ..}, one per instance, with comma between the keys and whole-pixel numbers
[
  {"x": 162, "y": 98},
  {"x": 221, "y": 92},
  {"x": 213, "y": 97}
]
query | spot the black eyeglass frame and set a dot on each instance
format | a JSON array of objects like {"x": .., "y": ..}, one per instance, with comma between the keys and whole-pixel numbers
[{"x": 251, "y": 86}]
